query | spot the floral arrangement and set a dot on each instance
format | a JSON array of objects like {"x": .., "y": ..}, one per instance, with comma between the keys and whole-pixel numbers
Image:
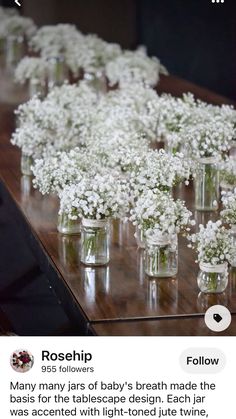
[
  {"x": 160, "y": 171},
  {"x": 195, "y": 126},
  {"x": 87, "y": 52},
  {"x": 134, "y": 107},
  {"x": 22, "y": 361},
  {"x": 158, "y": 213},
  {"x": 90, "y": 53},
  {"x": 7, "y": 12},
  {"x": 95, "y": 197},
  {"x": 52, "y": 41},
  {"x": 31, "y": 68},
  {"x": 229, "y": 203},
  {"x": 55, "y": 123},
  {"x": 207, "y": 138},
  {"x": 213, "y": 244},
  {"x": 134, "y": 67},
  {"x": 228, "y": 172},
  {"x": 17, "y": 26},
  {"x": 53, "y": 173},
  {"x": 174, "y": 113}
]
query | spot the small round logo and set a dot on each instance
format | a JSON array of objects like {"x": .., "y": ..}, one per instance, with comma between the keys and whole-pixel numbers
[{"x": 22, "y": 360}]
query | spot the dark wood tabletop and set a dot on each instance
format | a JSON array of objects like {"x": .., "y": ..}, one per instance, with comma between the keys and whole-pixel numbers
[
  {"x": 107, "y": 299},
  {"x": 184, "y": 326}
]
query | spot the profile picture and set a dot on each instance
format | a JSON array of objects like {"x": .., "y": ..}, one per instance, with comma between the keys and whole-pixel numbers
[{"x": 22, "y": 360}]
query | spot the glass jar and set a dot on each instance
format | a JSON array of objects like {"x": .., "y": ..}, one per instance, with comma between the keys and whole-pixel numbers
[
  {"x": 57, "y": 71},
  {"x": 68, "y": 226},
  {"x": 207, "y": 184},
  {"x": 161, "y": 256},
  {"x": 139, "y": 236},
  {"x": 26, "y": 163},
  {"x": 212, "y": 278},
  {"x": 14, "y": 51},
  {"x": 233, "y": 235},
  {"x": 37, "y": 87},
  {"x": 95, "y": 242}
]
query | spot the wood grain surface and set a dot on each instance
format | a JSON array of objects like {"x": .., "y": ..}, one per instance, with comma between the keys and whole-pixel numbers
[{"x": 121, "y": 290}]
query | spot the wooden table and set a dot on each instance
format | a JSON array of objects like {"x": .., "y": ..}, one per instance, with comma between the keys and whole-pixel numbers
[{"x": 118, "y": 298}]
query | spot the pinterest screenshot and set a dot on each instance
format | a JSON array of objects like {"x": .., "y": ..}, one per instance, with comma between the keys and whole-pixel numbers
[{"x": 117, "y": 209}]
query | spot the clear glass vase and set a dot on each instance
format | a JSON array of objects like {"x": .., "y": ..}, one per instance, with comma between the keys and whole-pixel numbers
[
  {"x": 212, "y": 279},
  {"x": 207, "y": 185},
  {"x": 14, "y": 51},
  {"x": 139, "y": 236},
  {"x": 95, "y": 242},
  {"x": 161, "y": 256},
  {"x": 233, "y": 235},
  {"x": 57, "y": 72},
  {"x": 26, "y": 163},
  {"x": 68, "y": 226},
  {"x": 37, "y": 87}
]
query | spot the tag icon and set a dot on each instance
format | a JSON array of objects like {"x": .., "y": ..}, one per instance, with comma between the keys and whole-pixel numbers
[{"x": 217, "y": 317}]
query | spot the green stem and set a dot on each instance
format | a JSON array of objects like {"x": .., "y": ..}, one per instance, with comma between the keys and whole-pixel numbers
[{"x": 212, "y": 284}]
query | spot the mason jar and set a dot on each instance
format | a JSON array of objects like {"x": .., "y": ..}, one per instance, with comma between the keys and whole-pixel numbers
[
  {"x": 57, "y": 71},
  {"x": 14, "y": 51},
  {"x": 68, "y": 226},
  {"x": 161, "y": 256},
  {"x": 37, "y": 87},
  {"x": 212, "y": 278},
  {"x": 207, "y": 184},
  {"x": 95, "y": 242},
  {"x": 26, "y": 163}
]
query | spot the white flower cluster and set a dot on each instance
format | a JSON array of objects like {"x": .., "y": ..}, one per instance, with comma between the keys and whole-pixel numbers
[
  {"x": 158, "y": 213},
  {"x": 202, "y": 130},
  {"x": 90, "y": 53},
  {"x": 52, "y": 41},
  {"x": 53, "y": 173},
  {"x": 7, "y": 12},
  {"x": 229, "y": 203},
  {"x": 95, "y": 197},
  {"x": 31, "y": 68},
  {"x": 134, "y": 67},
  {"x": 209, "y": 138},
  {"x": 173, "y": 114},
  {"x": 228, "y": 172},
  {"x": 18, "y": 26},
  {"x": 55, "y": 123},
  {"x": 160, "y": 171},
  {"x": 213, "y": 243}
]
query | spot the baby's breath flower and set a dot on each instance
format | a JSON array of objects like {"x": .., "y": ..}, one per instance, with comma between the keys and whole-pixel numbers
[
  {"x": 95, "y": 197},
  {"x": 213, "y": 243},
  {"x": 229, "y": 203}
]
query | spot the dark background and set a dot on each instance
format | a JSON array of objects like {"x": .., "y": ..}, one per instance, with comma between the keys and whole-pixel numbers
[{"x": 195, "y": 39}]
